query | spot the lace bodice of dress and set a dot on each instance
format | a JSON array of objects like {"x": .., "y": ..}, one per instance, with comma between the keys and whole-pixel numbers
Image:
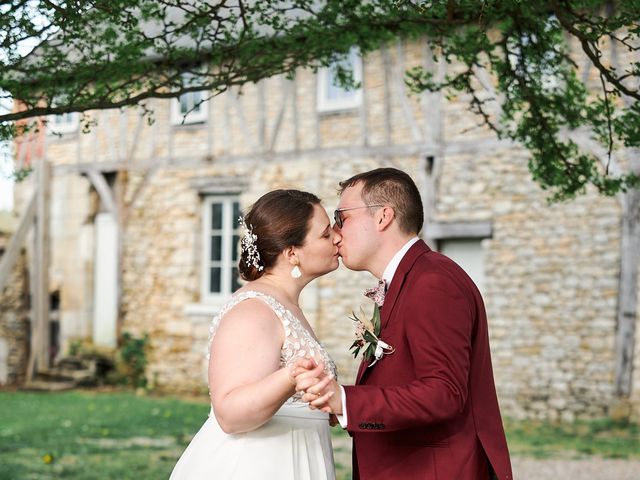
[{"x": 298, "y": 341}]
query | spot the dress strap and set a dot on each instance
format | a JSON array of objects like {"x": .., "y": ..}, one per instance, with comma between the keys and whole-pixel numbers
[{"x": 275, "y": 305}]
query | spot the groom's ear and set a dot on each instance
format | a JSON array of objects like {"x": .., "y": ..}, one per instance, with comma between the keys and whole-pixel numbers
[{"x": 385, "y": 216}]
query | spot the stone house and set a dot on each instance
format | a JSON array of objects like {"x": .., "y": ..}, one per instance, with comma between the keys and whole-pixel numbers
[{"x": 143, "y": 225}]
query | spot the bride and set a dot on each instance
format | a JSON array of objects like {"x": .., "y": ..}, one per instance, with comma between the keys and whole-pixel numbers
[{"x": 258, "y": 427}]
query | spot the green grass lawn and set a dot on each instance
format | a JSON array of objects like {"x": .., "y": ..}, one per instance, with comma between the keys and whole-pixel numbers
[
  {"x": 603, "y": 437},
  {"x": 85, "y": 435}
]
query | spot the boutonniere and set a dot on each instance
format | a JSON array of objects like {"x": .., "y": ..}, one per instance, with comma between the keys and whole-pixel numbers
[{"x": 367, "y": 339}]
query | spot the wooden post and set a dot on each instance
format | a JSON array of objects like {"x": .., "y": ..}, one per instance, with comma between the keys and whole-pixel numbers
[
  {"x": 434, "y": 127},
  {"x": 628, "y": 291},
  {"x": 42, "y": 254},
  {"x": 39, "y": 275}
]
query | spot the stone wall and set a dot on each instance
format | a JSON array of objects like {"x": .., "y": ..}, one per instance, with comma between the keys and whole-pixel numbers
[
  {"x": 551, "y": 285},
  {"x": 14, "y": 323}
]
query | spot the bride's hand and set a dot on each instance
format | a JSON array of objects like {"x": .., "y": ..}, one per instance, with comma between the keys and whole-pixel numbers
[
  {"x": 319, "y": 393},
  {"x": 299, "y": 367},
  {"x": 307, "y": 374}
]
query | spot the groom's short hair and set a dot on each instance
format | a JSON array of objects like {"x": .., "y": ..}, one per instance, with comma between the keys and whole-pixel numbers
[{"x": 393, "y": 187}]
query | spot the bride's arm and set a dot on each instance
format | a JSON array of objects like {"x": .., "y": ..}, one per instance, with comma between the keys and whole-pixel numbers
[{"x": 246, "y": 382}]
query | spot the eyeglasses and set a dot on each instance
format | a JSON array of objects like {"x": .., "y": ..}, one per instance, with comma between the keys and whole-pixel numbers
[{"x": 337, "y": 214}]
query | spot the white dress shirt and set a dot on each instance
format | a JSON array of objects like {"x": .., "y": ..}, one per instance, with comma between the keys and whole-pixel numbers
[{"x": 387, "y": 276}]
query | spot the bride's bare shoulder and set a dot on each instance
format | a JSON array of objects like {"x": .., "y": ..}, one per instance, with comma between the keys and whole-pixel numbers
[{"x": 252, "y": 313}]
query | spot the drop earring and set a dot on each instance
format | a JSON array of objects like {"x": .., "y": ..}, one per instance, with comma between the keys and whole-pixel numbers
[{"x": 295, "y": 272}]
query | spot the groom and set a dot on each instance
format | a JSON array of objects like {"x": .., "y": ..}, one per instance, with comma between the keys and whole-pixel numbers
[{"x": 429, "y": 409}]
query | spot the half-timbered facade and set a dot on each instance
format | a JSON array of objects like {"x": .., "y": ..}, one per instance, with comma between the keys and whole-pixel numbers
[{"x": 144, "y": 234}]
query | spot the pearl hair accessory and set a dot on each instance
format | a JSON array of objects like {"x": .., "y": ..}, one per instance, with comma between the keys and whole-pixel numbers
[{"x": 248, "y": 244}]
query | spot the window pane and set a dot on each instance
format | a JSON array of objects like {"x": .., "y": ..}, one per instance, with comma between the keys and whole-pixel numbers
[
  {"x": 236, "y": 242},
  {"x": 216, "y": 216},
  {"x": 222, "y": 239},
  {"x": 64, "y": 119},
  {"x": 196, "y": 97},
  {"x": 236, "y": 214},
  {"x": 184, "y": 104},
  {"x": 235, "y": 279},
  {"x": 216, "y": 248},
  {"x": 334, "y": 91},
  {"x": 214, "y": 279}
]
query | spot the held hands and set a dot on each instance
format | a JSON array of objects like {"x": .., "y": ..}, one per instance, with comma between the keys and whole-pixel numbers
[{"x": 319, "y": 390}]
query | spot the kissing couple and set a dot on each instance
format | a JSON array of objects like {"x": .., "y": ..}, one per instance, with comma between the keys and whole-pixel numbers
[{"x": 428, "y": 409}]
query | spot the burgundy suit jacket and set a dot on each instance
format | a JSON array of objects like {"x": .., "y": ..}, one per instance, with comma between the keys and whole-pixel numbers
[{"x": 429, "y": 410}]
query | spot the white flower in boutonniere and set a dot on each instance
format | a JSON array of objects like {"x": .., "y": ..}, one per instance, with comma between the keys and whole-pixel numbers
[{"x": 367, "y": 331}]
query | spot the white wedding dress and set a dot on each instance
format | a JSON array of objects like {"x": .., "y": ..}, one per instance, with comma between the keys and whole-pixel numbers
[{"x": 295, "y": 444}]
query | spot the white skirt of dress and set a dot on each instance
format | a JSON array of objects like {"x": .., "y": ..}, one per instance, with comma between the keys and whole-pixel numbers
[{"x": 294, "y": 445}]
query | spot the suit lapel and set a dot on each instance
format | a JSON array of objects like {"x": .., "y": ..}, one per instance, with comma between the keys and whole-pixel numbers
[
  {"x": 398, "y": 280},
  {"x": 393, "y": 293}
]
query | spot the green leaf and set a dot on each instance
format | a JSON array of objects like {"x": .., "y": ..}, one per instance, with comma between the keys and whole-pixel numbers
[
  {"x": 371, "y": 349},
  {"x": 376, "y": 319},
  {"x": 370, "y": 337}
]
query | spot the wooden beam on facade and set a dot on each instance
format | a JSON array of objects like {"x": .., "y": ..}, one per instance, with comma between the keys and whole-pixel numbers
[
  {"x": 401, "y": 94},
  {"x": 627, "y": 313},
  {"x": 472, "y": 146},
  {"x": 296, "y": 118},
  {"x": 584, "y": 141},
  {"x": 135, "y": 141},
  {"x": 39, "y": 352},
  {"x": 386, "y": 61},
  {"x": 432, "y": 108},
  {"x": 262, "y": 114},
  {"x": 42, "y": 256},
  {"x": 286, "y": 90},
  {"x": 363, "y": 111},
  {"x": 12, "y": 252},
  {"x": 248, "y": 136},
  {"x": 104, "y": 191}
]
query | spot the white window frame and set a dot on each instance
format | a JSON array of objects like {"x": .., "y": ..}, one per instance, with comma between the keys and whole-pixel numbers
[
  {"x": 54, "y": 128},
  {"x": 226, "y": 262},
  {"x": 325, "y": 76},
  {"x": 195, "y": 116}
]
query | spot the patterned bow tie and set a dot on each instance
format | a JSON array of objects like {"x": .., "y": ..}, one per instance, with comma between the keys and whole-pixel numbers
[{"x": 377, "y": 293}]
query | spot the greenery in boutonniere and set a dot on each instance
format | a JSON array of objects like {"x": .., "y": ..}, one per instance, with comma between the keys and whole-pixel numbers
[{"x": 367, "y": 331}]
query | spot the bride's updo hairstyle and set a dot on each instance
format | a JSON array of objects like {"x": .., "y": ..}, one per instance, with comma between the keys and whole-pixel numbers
[{"x": 279, "y": 219}]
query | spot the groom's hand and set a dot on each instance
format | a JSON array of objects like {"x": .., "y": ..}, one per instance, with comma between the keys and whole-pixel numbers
[
  {"x": 319, "y": 390},
  {"x": 325, "y": 395}
]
